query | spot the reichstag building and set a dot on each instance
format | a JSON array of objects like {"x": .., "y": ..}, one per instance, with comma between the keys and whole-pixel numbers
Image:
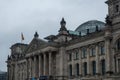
[{"x": 91, "y": 52}]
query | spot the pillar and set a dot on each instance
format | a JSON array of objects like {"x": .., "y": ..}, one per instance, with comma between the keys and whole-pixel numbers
[
  {"x": 40, "y": 65},
  {"x": 30, "y": 67},
  {"x": 27, "y": 67},
  {"x": 80, "y": 62},
  {"x": 97, "y": 60},
  {"x": 107, "y": 55},
  {"x": 50, "y": 63},
  {"x": 44, "y": 63},
  {"x": 88, "y": 61},
  {"x": 35, "y": 64}
]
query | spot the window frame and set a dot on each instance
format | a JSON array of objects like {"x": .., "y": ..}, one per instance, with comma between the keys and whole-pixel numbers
[
  {"x": 92, "y": 51},
  {"x": 77, "y": 69},
  {"x": 94, "y": 67},
  {"x": 103, "y": 66},
  {"x": 102, "y": 49},
  {"x": 70, "y": 70},
  {"x": 85, "y": 68},
  {"x": 84, "y": 52}
]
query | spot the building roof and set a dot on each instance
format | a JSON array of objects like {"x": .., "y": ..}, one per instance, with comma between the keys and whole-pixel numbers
[{"x": 91, "y": 26}]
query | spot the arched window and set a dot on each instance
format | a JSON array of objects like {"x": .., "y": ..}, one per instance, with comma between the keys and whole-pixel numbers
[
  {"x": 103, "y": 67},
  {"x": 77, "y": 69},
  {"x": 94, "y": 67},
  {"x": 70, "y": 70},
  {"x": 85, "y": 68}
]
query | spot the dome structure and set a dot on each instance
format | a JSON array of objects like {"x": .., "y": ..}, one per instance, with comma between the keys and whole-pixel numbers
[{"x": 91, "y": 26}]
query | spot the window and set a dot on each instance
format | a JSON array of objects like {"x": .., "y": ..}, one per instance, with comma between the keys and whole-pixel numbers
[
  {"x": 76, "y": 55},
  {"x": 84, "y": 53},
  {"x": 77, "y": 69},
  {"x": 85, "y": 68},
  {"x": 70, "y": 57},
  {"x": 94, "y": 67},
  {"x": 118, "y": 44},
  {"x": 92, "y": 52},
  {"x": 103, "y": 67},
  {"x": 102, "y": 50},
  {"x": 119, "y": 65},
  {"x": 70, "y": 70},
  {"x": 117, "y": 8}
]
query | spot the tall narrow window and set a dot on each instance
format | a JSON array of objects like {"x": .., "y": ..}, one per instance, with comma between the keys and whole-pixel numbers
[
  {"x": 102, "y": 50},
  {"x": 92, "y": 52},
  {"x": 77, "y": 69},
  {"x": 103, "y": 67},
  {"x": 118, "y": 44},
  {"x": 70, "y": 57},
  {"x": 94, "y": 67},
  {"x": 119, "y": 65},
  {"x": 76, "y": 55},
  {"x": 85, "y": 68},
  {"x": 84, "y": 53},
  {"x": 70, "y": 70},
  {"x": 117, "y": 8}
]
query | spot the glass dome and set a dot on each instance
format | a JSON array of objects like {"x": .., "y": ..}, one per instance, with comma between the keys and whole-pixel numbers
[{"x": 91, "y": 26}]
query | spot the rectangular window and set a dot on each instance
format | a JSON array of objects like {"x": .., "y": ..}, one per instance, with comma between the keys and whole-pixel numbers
[
  {"x": 77, "y": 69},
  {"x": 102, "y": 50},
  {"x": 118, "y": 44},
  {"x": 84, "y": 53},
  {"x": 70, "y": 57},
  {"x": 85, "y": 68},
  {"x": 70, "y": 70},
  {"x": 117, "y": 8},
  {"x": 119, "y": 65},
  {"x": 103, "y": 67},
  {"x": 76, "y": 55},
  {"x": 94, "y": 67},
  {"x": 92, "y": 52}
]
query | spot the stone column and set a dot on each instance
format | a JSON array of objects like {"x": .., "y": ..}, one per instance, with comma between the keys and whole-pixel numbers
[
  {"x": 107, "y": 55},
  {"x": 30, "y": 67},
  {"x": 40, "y": 65},
  {"x": 97, "y": 60},
  {"x": 88, "y": 61},
  {"x": 35, "y": 62},
  {"x": 80, "y": 62},
  {"x": 27, "y": 67},
  {"x": 44, "y": 63},
  {"x": 50, "y": 63},
  {"x": 73, "y": 65}
]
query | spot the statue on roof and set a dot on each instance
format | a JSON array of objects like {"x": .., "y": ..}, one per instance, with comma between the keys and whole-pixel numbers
[{"x": 108, "y": 21}]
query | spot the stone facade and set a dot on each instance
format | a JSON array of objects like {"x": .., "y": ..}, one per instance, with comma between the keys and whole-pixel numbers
[{"x": 95, "y": 56}]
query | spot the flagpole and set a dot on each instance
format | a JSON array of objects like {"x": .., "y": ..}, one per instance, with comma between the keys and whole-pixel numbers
[{"x": 22, "y": 37}]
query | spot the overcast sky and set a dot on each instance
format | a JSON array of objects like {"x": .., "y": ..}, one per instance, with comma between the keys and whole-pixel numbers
[{"x": 43, "y": 16}]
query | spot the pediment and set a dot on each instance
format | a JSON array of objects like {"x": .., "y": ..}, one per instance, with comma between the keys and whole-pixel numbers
[
  {"x": 35, "y": 44},
  {"x": 49, "y": 48}
]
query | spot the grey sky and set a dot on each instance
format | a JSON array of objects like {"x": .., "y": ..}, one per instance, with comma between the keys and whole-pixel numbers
[{"x": 43, "y": 16}]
